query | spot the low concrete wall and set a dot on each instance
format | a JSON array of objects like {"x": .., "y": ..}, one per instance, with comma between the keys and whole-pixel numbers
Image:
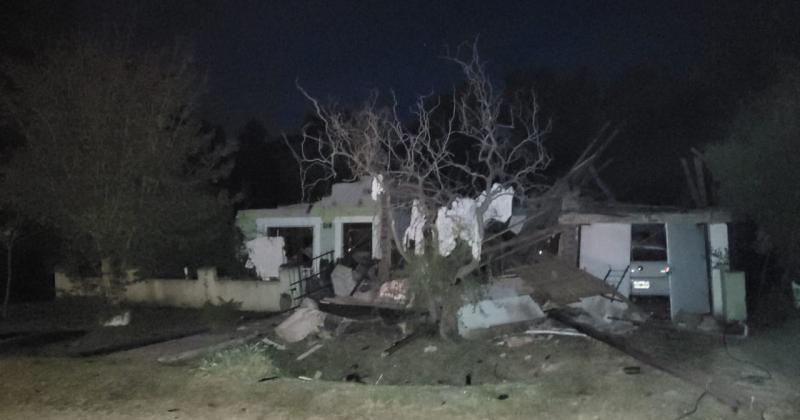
[{"x": 259, "y": 296}]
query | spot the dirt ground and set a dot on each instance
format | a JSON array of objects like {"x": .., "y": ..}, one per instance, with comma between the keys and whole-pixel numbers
[
  {"x": 559, "y": 360},
  {"x": 101, "y": 388},
  {"x": 549, "y": 377}
]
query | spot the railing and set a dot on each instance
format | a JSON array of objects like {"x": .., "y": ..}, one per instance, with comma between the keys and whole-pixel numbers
[
  {"x": 610, "y": 274},
  {"x": 310, "y": 282}
]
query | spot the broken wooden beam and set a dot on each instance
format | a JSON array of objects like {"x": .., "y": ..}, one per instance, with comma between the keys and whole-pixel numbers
[
  {"x": 309, "y": 352},
  {"x": 722, "y": 394},
  {"x": 690, "y": 183},
  {"x": 398, "y": 344}
]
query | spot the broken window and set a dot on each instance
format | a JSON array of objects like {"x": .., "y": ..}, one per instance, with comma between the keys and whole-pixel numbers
[
  {"x": 298, "y": 243},
  {"x": 648, "y": 242},
  {"x": 357, "y": 239}
]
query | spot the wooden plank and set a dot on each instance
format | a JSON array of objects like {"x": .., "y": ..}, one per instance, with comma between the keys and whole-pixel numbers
[
  {"x": 690, "y": 183},
  {"x": 552, "y": 279},
  {"x": 351, "y": 301},
  {"x": 310, "y": 351}
]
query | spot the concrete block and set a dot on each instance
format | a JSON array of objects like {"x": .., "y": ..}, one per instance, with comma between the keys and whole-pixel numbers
[{"x": 473, "y": 318}]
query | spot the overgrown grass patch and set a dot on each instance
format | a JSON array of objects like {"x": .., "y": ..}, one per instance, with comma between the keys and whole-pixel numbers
[{"x": 249, "y": 362}]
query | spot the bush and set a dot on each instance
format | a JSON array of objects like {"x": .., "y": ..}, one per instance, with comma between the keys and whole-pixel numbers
[{"x": 758, "y": 170}]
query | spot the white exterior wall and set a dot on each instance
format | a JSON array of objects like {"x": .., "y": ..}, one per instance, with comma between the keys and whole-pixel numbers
[
  {"x": 606, "y": 246},
  {"x": 252, "y": 295},
  {"x": 717, "y": 241}
]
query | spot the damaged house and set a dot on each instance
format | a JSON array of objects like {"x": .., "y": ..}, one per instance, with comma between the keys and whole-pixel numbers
[
  {"x": 306, "y": 239},
  {"x": 340, "y": 224},
  {"x": 671, "y": 260}
]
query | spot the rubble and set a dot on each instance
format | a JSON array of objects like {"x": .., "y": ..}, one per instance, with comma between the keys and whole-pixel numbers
[
  {"x": 273, "y": 344},
  {"x": 343, "y": 280},
  {"x": 517, "y": 341},
  {"x": 473, "y": 318},
  {"x": 507, "y": 286},
  {"x": 300, "y": 324},
  {"x": 612, "y": 315},
  {"x": 395, "y": 291},
  {"x": 120, "y": 320},
  {"x": 570, "y": 332},
  {"x": 554, "y": 280},
  {"x": 307, "y": 320}
]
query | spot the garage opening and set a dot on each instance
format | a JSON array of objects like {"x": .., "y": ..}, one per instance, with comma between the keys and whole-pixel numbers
[{"x": 649, "y": 269}]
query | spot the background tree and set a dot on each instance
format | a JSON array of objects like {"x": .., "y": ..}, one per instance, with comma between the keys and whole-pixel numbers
[
  {"x": 758, "y": 168},
  {"x": 113, "y": 154},
  {"x": 265, "y": 173},
  {"x": 10, "y": 226}
]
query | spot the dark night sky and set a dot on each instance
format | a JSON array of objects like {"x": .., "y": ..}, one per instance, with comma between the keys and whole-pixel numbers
[{"x": 255, "y": 50}]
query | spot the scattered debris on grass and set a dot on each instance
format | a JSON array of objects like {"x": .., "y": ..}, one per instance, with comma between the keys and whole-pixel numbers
[
  {"x": 354, "y": 377},
  {"x": 632, "y": 370},
  {"x": 119, "y": 320},
  {"x": 300, "y": 324},
  {"x": 309, "y": 352},
  {"x": 273, "y": 344},
  {"x": 564, "y": 331},
  {"x": 398, "y": 344}
]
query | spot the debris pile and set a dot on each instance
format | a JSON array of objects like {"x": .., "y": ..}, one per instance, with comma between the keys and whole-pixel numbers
[{"x": 309, "y": 320}]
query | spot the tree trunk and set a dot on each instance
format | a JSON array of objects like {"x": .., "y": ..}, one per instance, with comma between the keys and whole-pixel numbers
[
  {"x": 385, "y": 264},
  {"x": 112, "y": 289},
  {"x": 448, "y": 321},
  {"x": 434, "y": 315},
  {"x": 6, "y": 298}
]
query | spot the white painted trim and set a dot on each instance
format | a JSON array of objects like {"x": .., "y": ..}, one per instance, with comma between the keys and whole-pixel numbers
[
  {"x": 717, "y": 241},
  {"x": 264, "y": 223},
  {"x": 338, "y": 233}
]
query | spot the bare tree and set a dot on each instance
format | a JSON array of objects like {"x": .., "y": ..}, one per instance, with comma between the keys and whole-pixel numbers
[{"x": 470, "y": 144}]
